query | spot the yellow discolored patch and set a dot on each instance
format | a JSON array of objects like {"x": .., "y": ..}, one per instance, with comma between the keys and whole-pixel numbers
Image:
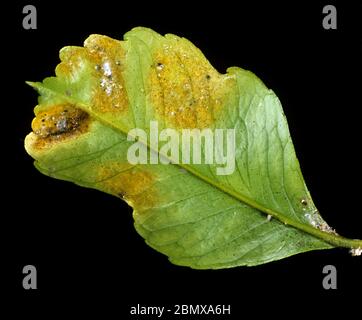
[
  {"x": 71, "y": 61},
  {"x": 185, "y": 88},
  {"x": 107, "y": 56},
  {"x": 131, "y": 183},
  {"x": 58, "y": 123},
  {"x": 102, "y": 58}
]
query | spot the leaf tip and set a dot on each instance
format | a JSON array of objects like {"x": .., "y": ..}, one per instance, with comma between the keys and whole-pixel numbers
[
  {"x": 30, "y": 83},
  {"x": 33, "y": 84}
]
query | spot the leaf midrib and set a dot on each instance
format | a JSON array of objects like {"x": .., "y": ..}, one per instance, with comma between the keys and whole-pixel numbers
[{"x": 335, "y": 240}]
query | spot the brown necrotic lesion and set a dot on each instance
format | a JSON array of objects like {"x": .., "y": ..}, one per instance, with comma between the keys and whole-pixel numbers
[{"x": 60, "y": 121}]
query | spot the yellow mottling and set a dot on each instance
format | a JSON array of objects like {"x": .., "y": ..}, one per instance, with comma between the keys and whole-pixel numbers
[
  {"x": 133, "y": 184},
  {"x": 104, "y": 58},
  {"x": 107, "y": 58},
  {"x": 185, "y": 88}
]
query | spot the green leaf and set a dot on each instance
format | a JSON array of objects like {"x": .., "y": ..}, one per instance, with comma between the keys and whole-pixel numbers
[{"x": 260, "y": 212}]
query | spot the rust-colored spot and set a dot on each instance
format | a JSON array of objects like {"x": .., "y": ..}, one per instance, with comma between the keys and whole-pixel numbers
[
  {"x": 58, "y": 123},
  {"x": 131, "y": 183},
  {"x": 185, "y": 88}
]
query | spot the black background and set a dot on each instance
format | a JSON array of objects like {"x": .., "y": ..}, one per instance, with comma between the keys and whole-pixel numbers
[{"x": 88, "y": 256}]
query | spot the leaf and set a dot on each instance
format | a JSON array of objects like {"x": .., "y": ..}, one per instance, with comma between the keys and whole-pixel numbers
[{"x": 189, "y": 212}]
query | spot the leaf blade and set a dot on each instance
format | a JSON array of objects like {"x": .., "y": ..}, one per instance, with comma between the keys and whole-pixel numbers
[{"x": 268, "y": 177}]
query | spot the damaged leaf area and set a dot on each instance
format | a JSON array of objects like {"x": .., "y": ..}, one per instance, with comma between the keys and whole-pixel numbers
[
  {"x": 58, "y": 123},
  {"x": 261, "y": 212}
]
